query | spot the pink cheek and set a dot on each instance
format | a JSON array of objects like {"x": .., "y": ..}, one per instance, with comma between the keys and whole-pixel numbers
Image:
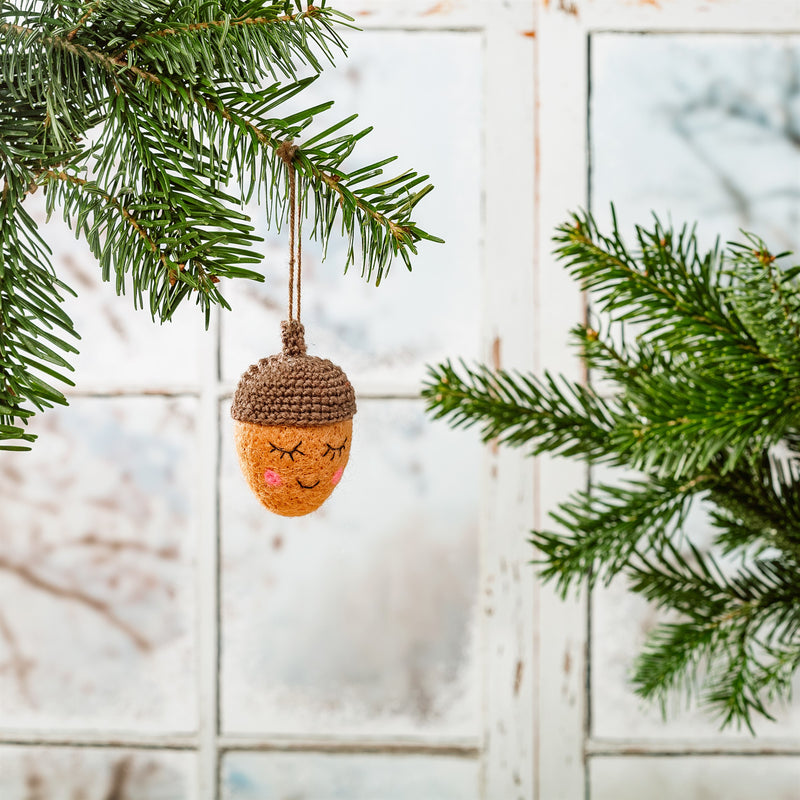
[
  {"x": 337, "y": 476},
  {"x": 271, "y": 478}
]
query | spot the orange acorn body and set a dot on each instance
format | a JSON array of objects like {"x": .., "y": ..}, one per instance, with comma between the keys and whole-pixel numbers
[{"x": 293, "y": 426}]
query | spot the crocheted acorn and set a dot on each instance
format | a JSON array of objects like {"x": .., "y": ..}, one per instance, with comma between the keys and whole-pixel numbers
[{"x": 293, "y": 426}]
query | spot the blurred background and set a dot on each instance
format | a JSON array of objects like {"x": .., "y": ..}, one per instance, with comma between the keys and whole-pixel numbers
[{"x": 162, "y": 637}]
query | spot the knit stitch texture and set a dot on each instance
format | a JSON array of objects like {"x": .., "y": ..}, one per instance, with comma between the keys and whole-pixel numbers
[{"x": 293, "y": 388}]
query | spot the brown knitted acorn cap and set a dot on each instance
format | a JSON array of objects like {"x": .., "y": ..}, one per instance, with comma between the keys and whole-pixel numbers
[{"x": 293, "y": 388}]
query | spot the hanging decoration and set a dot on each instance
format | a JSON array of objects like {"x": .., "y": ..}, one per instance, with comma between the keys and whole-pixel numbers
[{"x": 293, "y": 413}]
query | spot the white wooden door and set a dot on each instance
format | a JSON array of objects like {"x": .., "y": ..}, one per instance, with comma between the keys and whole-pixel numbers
[{"x": 161, "y": 636}]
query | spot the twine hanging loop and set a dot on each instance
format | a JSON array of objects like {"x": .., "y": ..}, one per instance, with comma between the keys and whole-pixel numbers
[{"x": 287, "y": 152}]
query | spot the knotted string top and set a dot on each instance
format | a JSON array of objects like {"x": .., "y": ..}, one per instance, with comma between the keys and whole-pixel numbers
[{"x": 292, "y": 336}]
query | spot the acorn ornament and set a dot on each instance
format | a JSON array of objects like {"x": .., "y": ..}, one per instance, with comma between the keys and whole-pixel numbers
[
  {"x": 293, "y": 426},
  {"x": 293, "y": 413}
]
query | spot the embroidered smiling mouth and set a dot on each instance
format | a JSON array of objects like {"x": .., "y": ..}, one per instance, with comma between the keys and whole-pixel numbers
[{"x": 303, "y": 486}]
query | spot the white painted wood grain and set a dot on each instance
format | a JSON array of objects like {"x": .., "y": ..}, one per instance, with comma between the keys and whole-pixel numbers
[
  {"x": 207, "y": 570},
  {"x": 680, "y": 15},
  {"x": 562, "y": 150},
  {"x": 507, "y": 578},
  {"x": 696, "y": 778}
]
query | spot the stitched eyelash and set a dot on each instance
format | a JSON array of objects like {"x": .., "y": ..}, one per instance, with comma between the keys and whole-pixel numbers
[
  {"x": 334, "y": 451},
  {"x": 291, "y": 453}
]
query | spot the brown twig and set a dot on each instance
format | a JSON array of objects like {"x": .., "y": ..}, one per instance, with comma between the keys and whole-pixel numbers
[
  {"x": 309, "y": 13},
  {"x": 84, "y": 19},
  {"x": 112, "y": 64},
  {"x": 120, "y": 776},
  {"x": 20, "y": 665},
  {"x": 112, "y": 201},
  {"x": 100, "y": 607},
  {"x": 173, "y": 270},
  {"x": 767, "y": 259},
  {"x": 115, "y": 545}
]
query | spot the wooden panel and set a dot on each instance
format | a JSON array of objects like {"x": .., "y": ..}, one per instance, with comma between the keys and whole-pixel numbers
[
  {"x": 96, "y": 552},
  {"x": 276, "y": 776},
  {"x": 437, "y": 14},
  {"x": 50, "y": 773},
  {"x": 507, "y": 585},
  {"x": 698, "y": 15},
  {"x": 359, "y": 618},
  {"x": 562, "y": 151},
  {"x": 695, "y": 778}
]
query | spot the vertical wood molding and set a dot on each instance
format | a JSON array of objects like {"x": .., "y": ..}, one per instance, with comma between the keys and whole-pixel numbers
[
  {"x": 561, "y": 137},
  {"x": 207, "y": 567},
  {"x": 507, "y": 578}
]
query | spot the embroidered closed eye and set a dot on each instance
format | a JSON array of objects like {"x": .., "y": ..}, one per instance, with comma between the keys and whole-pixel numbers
[
  {"x": 295, "y": 451},
  {"x": 334, "y": 452}
]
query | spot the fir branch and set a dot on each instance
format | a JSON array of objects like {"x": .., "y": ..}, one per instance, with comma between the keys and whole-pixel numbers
[
  {"x": 517, "y": 410},
  {"x": 674, "y": 660},
  {"x": 692, "y": 415},
  {"x": 756, "y": 507},
  {"x": 32, "y": 324},
  {"x": 740, "y": 640},
  {"x": 68, "y": 45},
  {"x": 667, "y": 284},
  {"x": 687, "y": 413},
  {"x": 611, "y": 524},
  {"x": 705, "y": 407},
  {"x": 619, "y": 363},
  {"x": 137, "y": 116},
  {"x": 113, "y": 202},
  {"x": 767, "y": 299},
  {"x": 376, "y": 218},
  {"x": 209, "y": 25},
  {"x": 382, "y": 222},
  {"x": 124, "y": 235}
]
